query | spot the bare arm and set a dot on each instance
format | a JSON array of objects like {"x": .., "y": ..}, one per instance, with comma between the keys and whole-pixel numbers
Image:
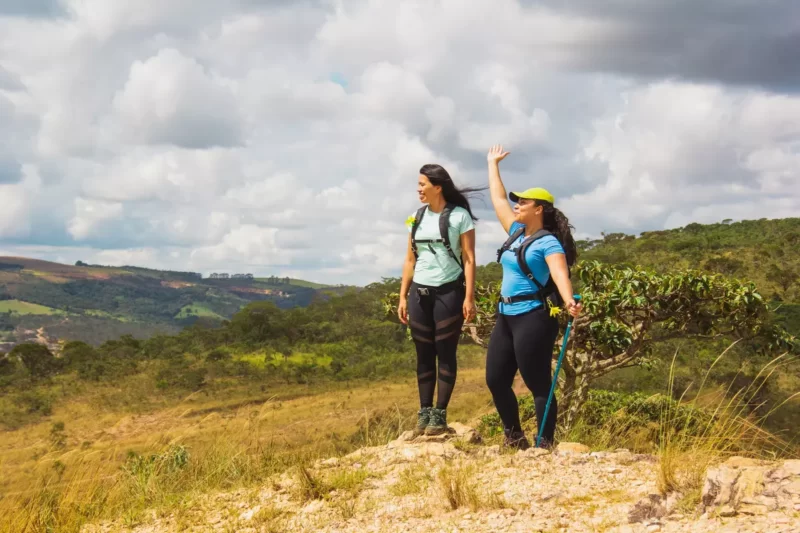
[
  {"x": 468, "y": 248},
  {"x": 557, "y": 263},
  {"x": 498, "y": 192},
  {"x": 405, "y": 283}
]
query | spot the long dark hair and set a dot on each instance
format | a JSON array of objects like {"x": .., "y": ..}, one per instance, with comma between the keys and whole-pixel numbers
[
  {"x": 558, "y": 224},
  {"x": 438, "y": 176}
]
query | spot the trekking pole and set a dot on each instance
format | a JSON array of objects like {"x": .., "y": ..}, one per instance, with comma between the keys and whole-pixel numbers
[{"x": 555, "y": 377}]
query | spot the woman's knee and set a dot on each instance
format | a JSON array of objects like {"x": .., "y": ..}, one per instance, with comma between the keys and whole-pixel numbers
[{"x": 497, "y": 380}]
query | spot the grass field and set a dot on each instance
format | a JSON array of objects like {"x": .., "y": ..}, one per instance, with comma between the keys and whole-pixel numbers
[
  {"x": 197, "y": 310},
  {"x": 25, "y": 308},
  {"x": 295, "y": 282},
  {"x": 103, "y": 314},
  {"x": 281, "y": 425}
]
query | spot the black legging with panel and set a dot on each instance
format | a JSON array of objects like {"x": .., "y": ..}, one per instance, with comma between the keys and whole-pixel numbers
[{"x": 435, "y": 318}]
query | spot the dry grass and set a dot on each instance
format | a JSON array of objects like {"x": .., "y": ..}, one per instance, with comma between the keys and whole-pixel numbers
[
  {"x": 412, "y": 480},
  {"x": 459, "y": 490},
  {"x": 196, "y": 446},
  {"x": 732, "y": 429}
]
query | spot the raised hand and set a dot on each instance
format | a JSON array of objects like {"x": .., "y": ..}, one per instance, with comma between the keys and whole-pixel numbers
[{"x": 496, "y": 154}]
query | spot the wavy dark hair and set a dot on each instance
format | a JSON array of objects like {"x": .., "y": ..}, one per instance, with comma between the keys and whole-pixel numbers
[
  {"x": 558, "y": 224},
  {"x": 438, "y": 176}
]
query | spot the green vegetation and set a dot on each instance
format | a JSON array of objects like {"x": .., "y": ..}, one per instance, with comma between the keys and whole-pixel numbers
[
  {"x": 100, "y": 299},
  {"x": 644, "y": 371},
  {"x": 25, "y": 308},
  {"x": 197, "y": 310}
]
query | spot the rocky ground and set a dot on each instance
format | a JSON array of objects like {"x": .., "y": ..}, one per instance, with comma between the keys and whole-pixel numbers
[{"x": 452, "y": 483}]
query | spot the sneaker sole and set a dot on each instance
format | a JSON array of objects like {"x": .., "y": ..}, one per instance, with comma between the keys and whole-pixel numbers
[{"x": 435, "y": 431}]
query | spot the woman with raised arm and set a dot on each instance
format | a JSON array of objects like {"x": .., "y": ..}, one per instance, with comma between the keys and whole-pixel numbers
[
  {"x": 535, "y": 260},
  {"x": 439, "y": 272}
]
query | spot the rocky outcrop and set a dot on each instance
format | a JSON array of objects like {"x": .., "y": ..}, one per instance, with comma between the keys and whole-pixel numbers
[
  {"x": 752, "y": 487},
  {"x": 453, "y": 482}
]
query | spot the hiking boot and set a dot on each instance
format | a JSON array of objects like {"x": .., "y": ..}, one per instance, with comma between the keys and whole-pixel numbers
[
  {"x": 438, "y": 422},
  {"x": 423, "y": 418},
  {"x": 516, "y": 439},
  {"x": 547, "y": 444}
]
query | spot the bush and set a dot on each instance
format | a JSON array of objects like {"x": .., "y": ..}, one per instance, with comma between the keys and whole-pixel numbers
[
  {"x": 178, "y": 373},
  {"x": 218, "y": 354},
  {"x": 35, "y": 402},
  {"x": 7, "y": 366},
  {"x": 37, "y": 359},
  {"x": 614, "y": 412}
]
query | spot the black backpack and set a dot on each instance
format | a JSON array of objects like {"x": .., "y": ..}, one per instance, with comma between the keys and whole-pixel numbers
[
  {"x": 444, "y": 222},
  {"x": 548, "y": 291}
]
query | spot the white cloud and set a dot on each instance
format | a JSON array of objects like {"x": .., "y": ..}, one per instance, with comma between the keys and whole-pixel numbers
[
  {"x": 170, "y": 99},
  {"x": 675, "y": 149},
  {"x": 286, "y": 137},
  {"x": 89, "y": 214}
]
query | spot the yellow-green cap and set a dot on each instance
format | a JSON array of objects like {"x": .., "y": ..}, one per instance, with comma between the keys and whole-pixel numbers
[{"x": 536, "y": 193}]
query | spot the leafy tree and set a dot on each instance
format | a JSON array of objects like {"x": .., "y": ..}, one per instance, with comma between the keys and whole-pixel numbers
[
  {"x": 628, "y": 312},
  {"x": 37, "y": 359},
  {"x": 7, "y": 366},
  {"x": 784, "y": 277}
]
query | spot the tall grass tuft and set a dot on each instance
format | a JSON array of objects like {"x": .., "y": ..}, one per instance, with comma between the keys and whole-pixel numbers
[
  {"x": 731, "y": 427},
  {"x": 167, "y": 475}
]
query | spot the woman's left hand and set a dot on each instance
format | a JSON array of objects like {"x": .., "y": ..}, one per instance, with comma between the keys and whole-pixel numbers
[
  {"x": 574, "y": 308},
  {"x": 469, "y": 309}
]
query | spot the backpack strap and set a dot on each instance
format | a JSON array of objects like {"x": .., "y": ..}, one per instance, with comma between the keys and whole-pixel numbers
[
  {"x": 549, "y": 289},
  {"x": 506, "y": 245},
  {"x": 520, "y": 253},
  {"x": 444, "y": 225},
  {"x": 417, "y": 219},
  {"x": 444, "y": 231}
]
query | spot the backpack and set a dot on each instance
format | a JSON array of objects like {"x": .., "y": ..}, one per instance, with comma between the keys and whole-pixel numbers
[
  {"x": 444, "y": 222},
  {"x": 548, "y": 293}
]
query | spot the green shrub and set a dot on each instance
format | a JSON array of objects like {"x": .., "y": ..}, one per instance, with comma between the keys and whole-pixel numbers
[
  {"x": 218, "y": 354},
  {"x": 180, "y": 374},
  {"x": 610, "y": 412},
  {"x": 35, "y": 401},
  {"x": 37, "y": 359}
]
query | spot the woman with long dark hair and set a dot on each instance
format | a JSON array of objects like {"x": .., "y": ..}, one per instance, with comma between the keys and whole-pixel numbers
[
  {"x": 526, "y": 329},
  {"x": 439, "y": 274}
]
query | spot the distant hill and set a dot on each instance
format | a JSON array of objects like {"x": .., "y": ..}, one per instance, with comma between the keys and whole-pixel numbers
[{"x": 95, "y": 303}]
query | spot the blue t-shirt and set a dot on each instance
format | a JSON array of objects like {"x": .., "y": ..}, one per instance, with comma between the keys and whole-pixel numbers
[{"x": 514, "y": 281}]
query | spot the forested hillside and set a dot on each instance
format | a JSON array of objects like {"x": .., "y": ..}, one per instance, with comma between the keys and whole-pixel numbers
[
  {"x": 653, "y": 334},
  {"x": 764, "y": 252},
  {"x": 94, "y": 303}
]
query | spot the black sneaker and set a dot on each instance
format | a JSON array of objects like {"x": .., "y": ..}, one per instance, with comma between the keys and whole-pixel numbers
[
  {"x": 516, "y": 439},
  {"x": 423, "y": 418},
  {"x": 437, "y": 423}
]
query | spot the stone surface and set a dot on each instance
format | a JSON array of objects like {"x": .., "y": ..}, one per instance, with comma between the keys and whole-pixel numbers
[
  {"x": 652, "y": 506},
  {"x": 751, "y": 487},
  {"x": 570, "y": 490},
  {"x": 572, "y": 447}
]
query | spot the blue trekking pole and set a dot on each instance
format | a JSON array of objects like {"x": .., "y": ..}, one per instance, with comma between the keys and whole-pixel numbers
[{"x": 555, "y": 377}]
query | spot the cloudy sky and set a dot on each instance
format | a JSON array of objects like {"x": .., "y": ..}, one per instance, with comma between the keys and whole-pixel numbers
[{"x": 278, "y": 136}]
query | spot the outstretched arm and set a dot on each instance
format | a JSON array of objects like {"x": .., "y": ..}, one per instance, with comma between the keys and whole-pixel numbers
[{"x": 498, "y": 192}]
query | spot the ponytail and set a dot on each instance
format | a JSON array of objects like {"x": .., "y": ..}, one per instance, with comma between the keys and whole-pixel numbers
[{"x": 557, "y": 223}]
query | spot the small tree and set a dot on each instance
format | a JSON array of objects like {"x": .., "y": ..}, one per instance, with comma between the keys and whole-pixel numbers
[
  {"x": 37, "y": 359},
  {"x": 627, "y": 312},
  {"x": 784, "y": 277}
]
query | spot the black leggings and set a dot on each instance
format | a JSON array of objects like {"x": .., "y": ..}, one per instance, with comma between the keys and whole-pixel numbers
[
  {"x": 435, "y": 320},
  {"x": 523, "y": 342}
]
